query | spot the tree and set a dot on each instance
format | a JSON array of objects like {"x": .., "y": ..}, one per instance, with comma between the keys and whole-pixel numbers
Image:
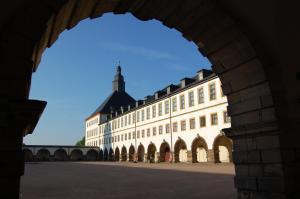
[{"x": 81, "y": 142}]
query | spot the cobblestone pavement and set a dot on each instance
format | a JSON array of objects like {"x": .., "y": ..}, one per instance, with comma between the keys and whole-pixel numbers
[{"x": 110, "y": 180}]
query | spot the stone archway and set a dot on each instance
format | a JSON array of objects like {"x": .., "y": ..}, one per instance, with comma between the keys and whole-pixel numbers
[
  {"x": 76, "y": 155},
  {"x": 124, "y": 154},
  {"x": 151, "y": 153},
  {"x": 117, "y": 154},
  {"x": 101, "y": 155},
  {"x": 92, "y": 155},
  {"x": 105, "y": 154},
  {"x": 28, "y": 155},
  {"x": 242, "y": 47},
  {"x": 60, "y": 155},
  {"x": 180, "y": 151},
  {"x": 43, "y": 155},
  {"x": 141, "y": 153},
  {"x": 199, "y": 150},
  {"x": 111, "y": 155},
  {"x": 165, "y": 152},
  {"x": 131, "y": 153},
  {"x": 222, "y": 148}
]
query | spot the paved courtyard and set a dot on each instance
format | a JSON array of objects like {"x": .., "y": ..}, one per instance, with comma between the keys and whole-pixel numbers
[{"x": 110, "y": 180}]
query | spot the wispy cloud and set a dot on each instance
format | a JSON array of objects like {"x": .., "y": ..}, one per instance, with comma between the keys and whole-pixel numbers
[{"x": 137, "y": 50}]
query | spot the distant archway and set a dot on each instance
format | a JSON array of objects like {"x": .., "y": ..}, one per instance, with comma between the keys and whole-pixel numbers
[
  {"x": 165, "y": 152},
  {"x": 180, "y": 151},
  {"x": 60, "y": 155},
  {"x": 131, "y": 153},
  {"x": 101, "y": 156},
  {"x": 124, "y": 154},
  {"x": 76, "y": 155},
  {"x": 222, "y": 149},
  {"x": 43, "y": 155},
  {"x": 141, "y": 153},
  {"x": 117, "y": 154},
  {"x": 105, "y": 154},
  {"x": 199, "y": 150},
  {"x": 92, "y": 155},
  {"x": 111, "y": 155},
  {"x": 151, "y": 153},
  {"x": 28, "y": 155}
]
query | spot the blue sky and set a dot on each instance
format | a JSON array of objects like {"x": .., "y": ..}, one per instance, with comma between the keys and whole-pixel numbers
[{"x": 76, "y": 73}]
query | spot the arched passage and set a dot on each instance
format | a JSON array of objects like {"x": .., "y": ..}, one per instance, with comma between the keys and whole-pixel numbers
[
  {"x": 199, "y": 150},
  {"x": 151, "y": 153},
  {"x": 111, "y": 155},
  {"x": 43, "y": 155},
  {"x": 92, "y": 155},
  {"x": 105, "y": 154},
  {"x": 222, "y": 149},
  {"x": 124, "y": 154},
  {"x": 117, "y": 154},
  {"x": 60, "y": 155},
  {"x": 141, "y": 153},
  {"x": 225, "y": 40},
  {"x": 165, "y": 152},
  {"x": 76, "y": 155},
  {"x": 101, "y": 155},
  {"x": 28, "y": 155},
  {"x": 180, "y": 151},
  {"x": 131, "y": 153}
]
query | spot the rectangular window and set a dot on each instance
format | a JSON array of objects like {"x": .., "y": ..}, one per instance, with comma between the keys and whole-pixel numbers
[
  {"x": 174, "y": 104},
  {"x": 129, "y": 119},
  {"x": 153, "y": 111},
  {"x": 212, "y": 91},
  {"x": 118, "y": 123},
  {"x": 129, "y": 136},
  {"x": 226, "y": 117},
  {"x": 160, "y": 109},
  {"x": 122, "y": 122},
  {"x": 143, "y": 115},
  {"x": 182, "y": 102},
  {"x": 160, "y": 129},
  {"x": 167, "y": 128},
  {"x": 222, "y": 94},
  {"x": 122, "y": 137},
  {"x": 200, "y": 95},
  {"x": 148, "y": 113},
  {"x": 191, "y": 98},
  {"x": 143, "y": 133},
  {"x": 137, "y": 116},
  {"x": 167, "y": 107},
  {"x": 125, "y": 120},
  {"x": 125, "y": 136},
  {"x": 214, "y": 119},
  {"x": 154, "y": 131},
  {"x": 192, "y": 123},
  {"x": 138, "y": 135},
  {"x": 133, "y": 117},
  {"x": 202, "y": 121},
  {"x": 148, "y": 132},
  {"x": 183, "y": 125},
  {"x": 175, "y": 127},
  {"x": 118, "y": 138},
  {"x": 133, "y": 135}
]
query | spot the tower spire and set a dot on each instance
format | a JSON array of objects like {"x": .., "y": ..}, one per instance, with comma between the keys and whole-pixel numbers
[{"x": 118, "y": 83}]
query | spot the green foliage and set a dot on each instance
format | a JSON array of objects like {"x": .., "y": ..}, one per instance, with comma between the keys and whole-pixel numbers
[{"x": 81, "y": 142}]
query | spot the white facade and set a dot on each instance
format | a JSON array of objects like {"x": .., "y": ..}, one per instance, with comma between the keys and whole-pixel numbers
[{"x": 154, "y": 123}]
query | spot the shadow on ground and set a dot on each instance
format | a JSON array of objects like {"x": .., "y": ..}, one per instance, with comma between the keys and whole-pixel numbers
[{"x": 71, "y": 180}]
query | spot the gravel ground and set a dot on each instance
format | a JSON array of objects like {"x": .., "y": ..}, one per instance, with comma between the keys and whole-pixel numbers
[{"x": 111, "y": 180}]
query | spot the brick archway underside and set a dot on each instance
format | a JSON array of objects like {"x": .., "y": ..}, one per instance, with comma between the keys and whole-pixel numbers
[{"x": 246, "y": 80}]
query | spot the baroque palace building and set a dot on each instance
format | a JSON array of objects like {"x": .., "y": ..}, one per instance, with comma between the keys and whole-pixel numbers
[{"x": 180, "y": 123}]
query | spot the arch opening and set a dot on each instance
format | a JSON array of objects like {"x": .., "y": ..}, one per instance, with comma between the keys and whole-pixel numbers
[
  {"x": 141, "y": 153},
  {"x": 105, "y": 155},
  {"x": 28, "y": 155},
  {"x": 92, "y": 155},
  {"x": 124, "y": 154},
  {"x": 222, "y": 149},
  {"x": 76, "y": 155},
  {"x": 151, "y": 153},
  {"x": 117, "y": 154},
  {"x": 199, "y": 150},
  {"x": 131, "y": 153},
  {"x": 165, "y": 152},
  {"x": 111, "y": 155},
  {"x": 43, "y": 155},
  {"x": 60, "y": 155},
  {"x": 101, "y": 155},
  {"x": 180, "y": 151}
]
